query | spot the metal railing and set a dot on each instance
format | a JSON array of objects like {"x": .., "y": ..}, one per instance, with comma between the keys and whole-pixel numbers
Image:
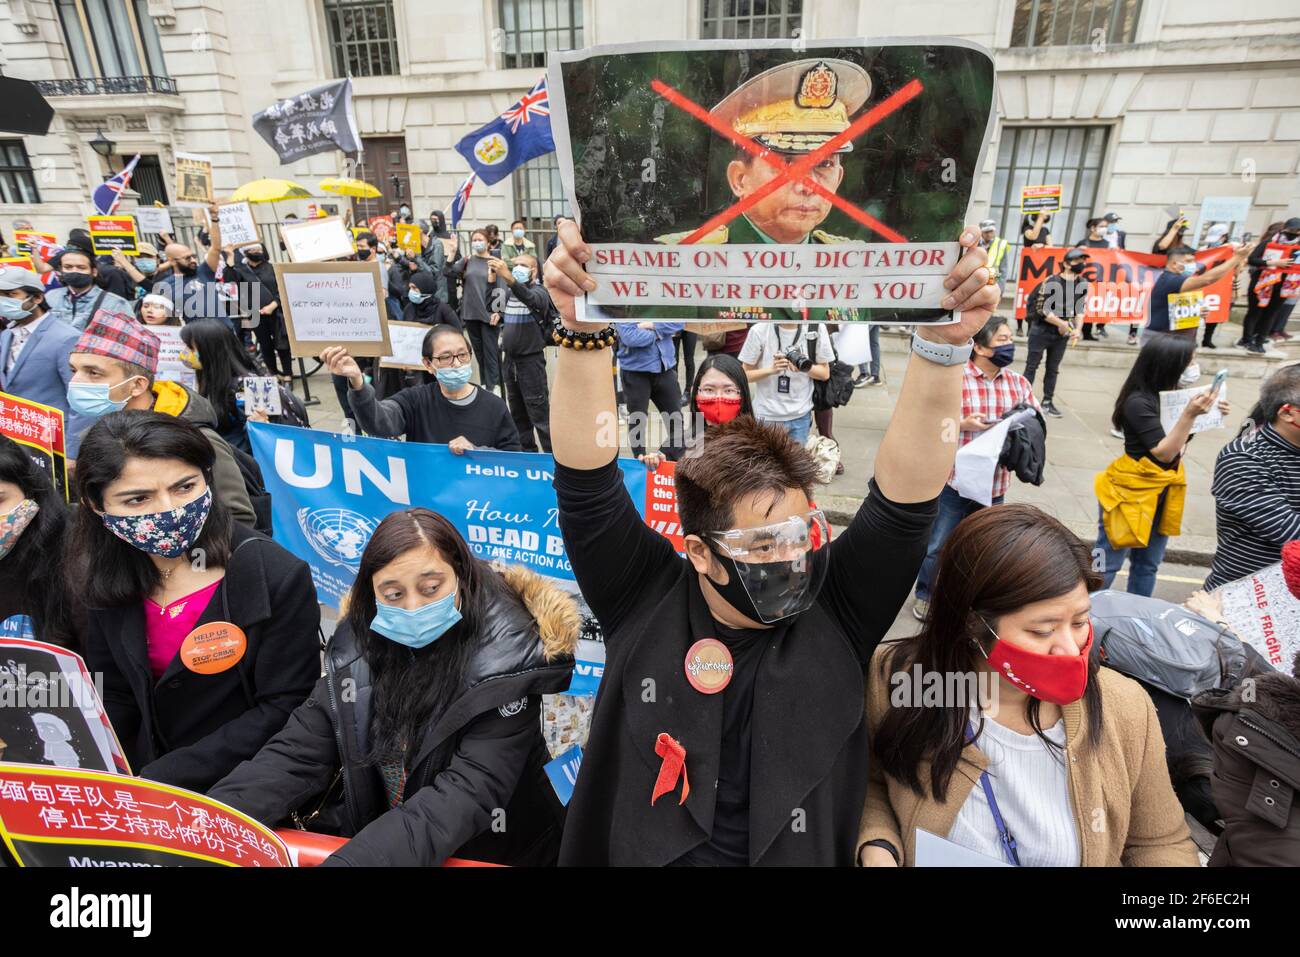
[{"x": 107, "y": 85}]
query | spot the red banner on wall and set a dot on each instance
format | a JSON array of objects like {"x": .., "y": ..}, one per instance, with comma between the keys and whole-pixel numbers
[{"x": 1120, "y": 282}]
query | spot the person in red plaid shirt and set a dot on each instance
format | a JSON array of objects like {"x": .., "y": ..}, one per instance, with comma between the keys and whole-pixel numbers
[{"x": 989, "y": 390}]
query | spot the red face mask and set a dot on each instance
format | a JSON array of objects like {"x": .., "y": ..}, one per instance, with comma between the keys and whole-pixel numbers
[
  {"x": 718, "y": 409},
  {"x": 1060, "y": 679}
]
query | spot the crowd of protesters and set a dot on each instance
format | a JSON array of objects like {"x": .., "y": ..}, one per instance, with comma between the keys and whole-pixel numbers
[{"x": 427, "y": 719}]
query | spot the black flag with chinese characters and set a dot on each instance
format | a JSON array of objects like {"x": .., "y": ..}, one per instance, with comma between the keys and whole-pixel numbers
[{"x": 313, "y": 122}]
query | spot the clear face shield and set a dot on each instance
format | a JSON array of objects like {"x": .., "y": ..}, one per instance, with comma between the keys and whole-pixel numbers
[{"x": 776, "y": 570}]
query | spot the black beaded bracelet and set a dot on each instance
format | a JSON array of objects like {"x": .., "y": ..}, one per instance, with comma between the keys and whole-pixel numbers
[{"x": 570, "y": 339}]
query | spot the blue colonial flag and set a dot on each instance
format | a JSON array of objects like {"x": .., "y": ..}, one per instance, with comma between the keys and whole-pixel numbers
[
  {"x": 512, "y": 139},
  {"x": 461, "y": 199}
]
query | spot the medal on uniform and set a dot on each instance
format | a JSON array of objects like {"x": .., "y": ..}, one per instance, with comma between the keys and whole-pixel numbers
[
  {"x": 709, "y": 666},
  {"x": 213, "y": 648}
]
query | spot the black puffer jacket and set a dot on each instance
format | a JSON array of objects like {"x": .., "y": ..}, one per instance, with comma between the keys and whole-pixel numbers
[
  {"x": 1255, "y": 729},
  {"x": 477, "y": 788}
]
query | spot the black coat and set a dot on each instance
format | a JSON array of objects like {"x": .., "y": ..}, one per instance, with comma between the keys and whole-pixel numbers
[
  {"x": 1256, "y": 781},
  {"x": 485, "y": 753},
  {"x": 189, "y": 729}
]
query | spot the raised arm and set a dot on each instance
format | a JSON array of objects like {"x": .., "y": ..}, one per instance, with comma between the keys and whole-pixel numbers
[
  {"x": 375, "y": 416},
  {"x": 213, "y": 257},
  {"x": 1214, "y": 274}
]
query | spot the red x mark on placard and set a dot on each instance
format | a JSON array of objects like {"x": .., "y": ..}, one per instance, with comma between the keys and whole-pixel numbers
[{"x": 798, "y": 169}]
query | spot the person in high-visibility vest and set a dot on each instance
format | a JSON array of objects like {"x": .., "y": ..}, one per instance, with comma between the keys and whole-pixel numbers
[{"x": 996, "y": 245}]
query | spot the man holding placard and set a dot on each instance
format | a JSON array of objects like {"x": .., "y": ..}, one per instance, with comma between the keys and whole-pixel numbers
[{"x": 1181, "y": 276}]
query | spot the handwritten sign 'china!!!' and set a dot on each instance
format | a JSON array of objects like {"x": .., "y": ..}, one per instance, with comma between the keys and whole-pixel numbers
[{"x": 334, "y": 304}]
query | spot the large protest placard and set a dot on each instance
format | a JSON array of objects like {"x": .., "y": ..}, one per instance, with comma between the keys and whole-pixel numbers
[
  {"x": 764, "y": 180},
  {"x": 408, "y": 237},
  {"x": 170, "y": 347},
  {"x": 330, "y": 491},
  {"x": 383, "y": 227},
  {"x": 334, "y": 304},
  {"x": 315, "y": 240},
  {"x": 39, "y": 429},
  {"x": 1173, "y": 403},
  {"x": 1229, "y": 211},
  {"x": 51, "y": 711},
  {"x": 1264, "y": 613},
  {"x": 60, "y": 817},
  {"x": 1041, "y": 199},
  {"x": 1120, "y": 282},
  {"x": 237, "y": 225},
  {"x": 408, "y": 340},
  {"x": 193, "y": 180},
  {"x": 27, "y": 241},
  {"x": 109, "y": 234},
  {"x": 154, "y": 220}
]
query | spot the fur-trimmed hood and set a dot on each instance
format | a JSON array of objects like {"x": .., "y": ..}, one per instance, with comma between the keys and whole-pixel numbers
[
  {"x": 556, "y": 613},
  {"x": 1274, "y": 696}
]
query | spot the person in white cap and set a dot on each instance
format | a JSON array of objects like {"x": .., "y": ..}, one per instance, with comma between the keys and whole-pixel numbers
[
  {"x": 1216, "y": 235},
  {"x": 34, "y": 350}
]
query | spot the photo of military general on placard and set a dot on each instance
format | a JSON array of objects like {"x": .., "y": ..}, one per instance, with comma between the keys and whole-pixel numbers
[{"x": 687, "y": 162}]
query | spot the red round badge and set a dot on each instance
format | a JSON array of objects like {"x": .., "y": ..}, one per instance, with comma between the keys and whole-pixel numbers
[{"x": 709, "y": 666}]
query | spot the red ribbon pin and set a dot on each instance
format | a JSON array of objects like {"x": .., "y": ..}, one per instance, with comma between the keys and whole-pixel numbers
[{"x": 674, "y": 765}]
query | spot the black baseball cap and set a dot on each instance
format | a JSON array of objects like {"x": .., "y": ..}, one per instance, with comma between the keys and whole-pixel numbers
[{"x": 1076, "y": 255}]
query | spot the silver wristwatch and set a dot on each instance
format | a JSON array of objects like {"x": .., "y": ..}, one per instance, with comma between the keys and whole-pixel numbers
[{"x": 942, "y": 353}]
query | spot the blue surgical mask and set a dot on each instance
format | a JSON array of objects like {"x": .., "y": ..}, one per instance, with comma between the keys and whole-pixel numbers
[
  {"x": 517, "y": 233},
  {"x": 478, "y": 245},
  {"x": 146, "y": 265},
  {"x": 11, "y": 310},
  {"x": 418, "y": 628},
  {"x": 1003, "y": 355},
  {"x": 416, "y": 296},
  {"x": 92, "y": 399},
  {"x": 521, "y": 273},
  {"x": 454, "y": 378},
  {"x": 1189, "y": 268}
]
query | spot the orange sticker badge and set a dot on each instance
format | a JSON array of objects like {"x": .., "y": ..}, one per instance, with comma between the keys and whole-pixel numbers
[
  {"x": 213, "y": 648},
  {"x": 709, "y": 666}
]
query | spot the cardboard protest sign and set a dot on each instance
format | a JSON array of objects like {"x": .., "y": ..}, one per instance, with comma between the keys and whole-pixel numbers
[
  {"x": 262, "y": 394},
  {"x": 1263, "y": 612},
  {"x": 39, "y": 430},
  {"x": 51, "y": 711},
  {"x": 1230, "y": 211},
  {"x": 60, "y": 817},
  {"x": 153, "y": 220},
  {"x": 314, "y": 240},
  {"x": 408, "y": 340},
  {"x": 753, "y": 180},
  {"x": 170, "y": 366},
  {"x": 237, "y": 225},
  {"x": 334, "y": 304},
  {"x": 193, "y": 180},
  {"x": 26, "y": 240},
  {"x": 1172, "y": 404},
  {"x": 1120, "y": 282},
  {"x": 1186, "y": 310},
  {"x": 1040, "y": 199},
  {"x": 113, "y": 233},
  {"x": 408, "y": 237},
  {"x": 1283, "y": 257},
  {"x": 383, "y": 227}
]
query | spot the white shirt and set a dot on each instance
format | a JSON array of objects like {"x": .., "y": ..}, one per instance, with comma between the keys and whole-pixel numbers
[
  {"x": 1032, "y": 789},
  {"x": 765, "y": 341}
]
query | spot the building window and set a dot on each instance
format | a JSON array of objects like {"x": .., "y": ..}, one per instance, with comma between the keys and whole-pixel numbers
[
  {"x": 1045, "y": 156},
  {"x": 17, "y": 184},
  {"x": 730, "y": 19},
  {"x": 363, "y": 36},
  {"x": 532, "y": 27},
  {"x": 1048, "y": 23},
  {"x": 148, "y": 180},
  {"x": 539, "y": 194},
  {"x": 111, "y": 38}
]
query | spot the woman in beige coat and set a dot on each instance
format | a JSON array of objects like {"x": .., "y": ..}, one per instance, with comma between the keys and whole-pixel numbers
[{"x": 988, "y": 728}]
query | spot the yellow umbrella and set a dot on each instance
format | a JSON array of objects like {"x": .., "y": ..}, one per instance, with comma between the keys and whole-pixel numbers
[
  {"x": 269, "y": 191},
  {"x": 344, "y": 186}
]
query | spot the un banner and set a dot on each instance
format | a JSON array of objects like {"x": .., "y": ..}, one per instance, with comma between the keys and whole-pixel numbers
[{"x": 330, "y": 491}]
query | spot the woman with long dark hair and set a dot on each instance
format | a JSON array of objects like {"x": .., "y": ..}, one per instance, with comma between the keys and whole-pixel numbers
[
  {"x": 988, "y": 728},
  {"x": 34, "y": 599},
  {"x": 424, "y": 736},
  {"x": 719, "y": 393},
  {"x": 172, "y": 577},
  {"x": 220, "y": 365},
  {"x": 1141, "y": 493}
]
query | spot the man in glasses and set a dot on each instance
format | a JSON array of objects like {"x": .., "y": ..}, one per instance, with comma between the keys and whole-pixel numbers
[
  {"x": 451, "y": 410},
  {"x": 729, "y": 727}
]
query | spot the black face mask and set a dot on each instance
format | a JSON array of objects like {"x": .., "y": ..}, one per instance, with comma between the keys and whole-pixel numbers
[
  {"x": 255, "y": 258},
  {"x": 77, "y": 280},
  {"x": 363, "y": 253},
  {"x": 776, "y": 590}
]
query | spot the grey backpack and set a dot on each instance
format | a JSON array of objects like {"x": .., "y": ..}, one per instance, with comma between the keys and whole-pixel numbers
[{"x": 1166, "y": 645}]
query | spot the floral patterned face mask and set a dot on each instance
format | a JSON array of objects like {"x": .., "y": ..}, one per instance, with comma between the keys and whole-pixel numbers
[
  {"x": 14, "y": 523},
  {"x": 166, "y": 534}
]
